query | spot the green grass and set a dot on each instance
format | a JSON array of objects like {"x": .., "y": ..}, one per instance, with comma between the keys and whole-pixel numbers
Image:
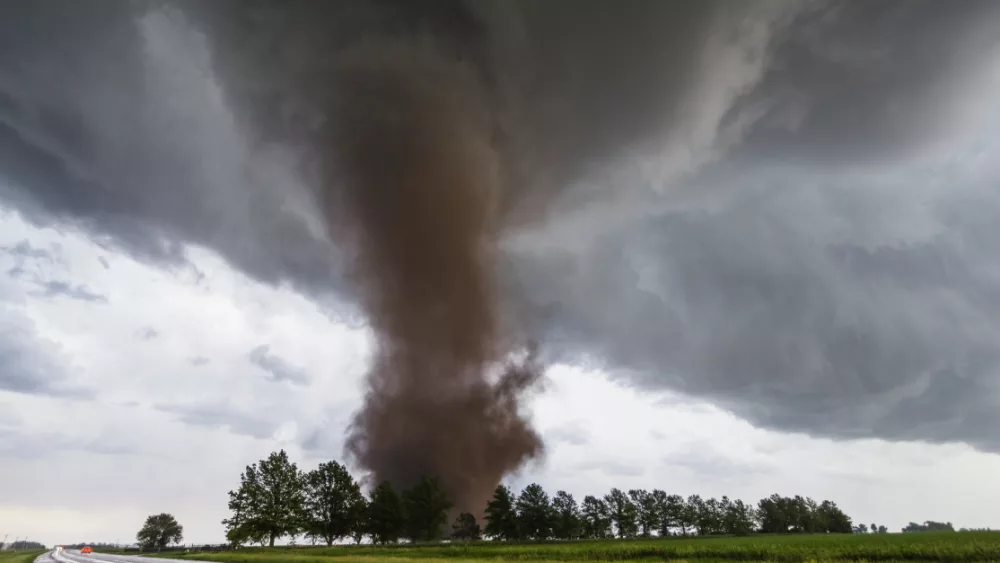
[
  {"x": 8, "y": 556},
  {"x": 952, "y": 547}
]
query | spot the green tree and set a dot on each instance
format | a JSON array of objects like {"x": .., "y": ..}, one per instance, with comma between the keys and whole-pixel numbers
[
  {"x": 833, "y": 520},
  {"x": 426, "y": 508},
  {"x": 359, "y": 520},
  {"x": 673, "y": 513},
  {"x": 465, "y": 527},
  {"x": 623, "y": 513},
  {"x": 501, "y": 516},
  {"x": 647, "y": 515},
  {"x": 775, "y": 514},
  {"x": 385, "y": 518},
  {"x": 663, "y": 518},
  {"x": 239, "y": 526},
  {"x": 929, "y": 526},
  {"x": 331, "y": 502},
  {"x": 158, "y": 531},
  {"x": 280, "y": 501},
  {"x": 534, "y": 513},
  {"x": 739, "y": 519},
  {"x": 596, "y": 518},
  {"x": 706, "y": 514},
  {"x": 806, "y": 515},
  {"x": 566, "y": 524}
]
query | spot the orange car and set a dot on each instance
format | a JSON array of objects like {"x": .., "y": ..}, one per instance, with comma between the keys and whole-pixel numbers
[{"x": 86, "y": 550}]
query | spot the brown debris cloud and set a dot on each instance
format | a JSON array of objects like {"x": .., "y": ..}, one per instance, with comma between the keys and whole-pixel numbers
[{"x": 417, "y": 182}]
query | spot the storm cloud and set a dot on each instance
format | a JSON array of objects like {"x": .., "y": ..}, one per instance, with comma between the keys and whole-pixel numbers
[{"x": 784, "y": 208}]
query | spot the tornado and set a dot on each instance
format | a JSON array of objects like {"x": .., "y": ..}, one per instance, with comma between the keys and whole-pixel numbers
[
  {"x": 415, "y": 179},
  {"x": 432, "y": 132}
]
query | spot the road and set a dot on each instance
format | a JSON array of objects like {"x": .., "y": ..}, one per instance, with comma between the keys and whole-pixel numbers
[{"x": 74, "y": 556}]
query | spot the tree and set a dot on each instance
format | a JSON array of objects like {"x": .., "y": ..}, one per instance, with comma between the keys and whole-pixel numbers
[
  {"x": 647, "y": 515},
  {"x": 738, "y": 518},
  {"x": 832, "y": 519},
  {"x": 804, "y": 515},
  {"x": 239, "y": 527},
  {"x": 534, "y": 513},
  {"x": 25, "y": 545},
  {"x": 465, "y": 527},
  {"x": 596, "y": 518},
  {"x": 566, "y": 524},
  {"x": 929, "y": 526},
  {"x": 883, "y": 530},
  {"x": 702, "y": 516},
  {"x": 332, "y": 498},
  {"x": 773, "y": 512},
  {"x": 689, "y": 514},
  {"x": 280, "y": 497},
  {"x": 159, "y": 531},
  {"x": 359, "y": 520},
  {"x": 708, "y": 515},
  {"x": 426, "y": 508},
  {"x": 501, "y": 517},
  {"x": 385, "y": 518},
  {"x": 674, "y": 513},
  {"x": 663, "y": 518},
  {"x": 622, "y": 512}
]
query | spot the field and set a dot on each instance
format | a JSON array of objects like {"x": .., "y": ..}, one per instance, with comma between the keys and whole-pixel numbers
[
  {"x": 965, "y": 546},
  {"x": 8, "y": 556}
]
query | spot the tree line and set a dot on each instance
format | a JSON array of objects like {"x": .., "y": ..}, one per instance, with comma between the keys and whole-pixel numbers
[
  {"x": 929, "y": 526},
  {"x": 864, "y": 529},
  {"x": 276, "y": 499},
  {"x": 22, "y": 545}
]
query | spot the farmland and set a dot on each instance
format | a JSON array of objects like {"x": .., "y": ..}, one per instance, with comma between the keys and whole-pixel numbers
[
  {"x": 11, "y": 556},
  {"x": 965, "y": 546}
]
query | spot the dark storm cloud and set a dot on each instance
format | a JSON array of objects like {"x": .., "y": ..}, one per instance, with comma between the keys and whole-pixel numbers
[
  {"x": 774, "y": 279},
  {"x": 114, "y": 125},
  {"x": 278, "y": 369},
  {"x": 790, "y": 326},
  {"x": 865, "y": 82}
]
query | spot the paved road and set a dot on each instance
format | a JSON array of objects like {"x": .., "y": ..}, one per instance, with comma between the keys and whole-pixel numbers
[{"x": 74, "y": 556}]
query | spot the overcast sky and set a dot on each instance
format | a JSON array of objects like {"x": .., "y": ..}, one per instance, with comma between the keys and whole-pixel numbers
[{"x": 789, "y": 283}]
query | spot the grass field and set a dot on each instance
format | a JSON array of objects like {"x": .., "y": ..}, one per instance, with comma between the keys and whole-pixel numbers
[
  {"x": 8, "y": 556},
  {"x": 966, "y": 546}
]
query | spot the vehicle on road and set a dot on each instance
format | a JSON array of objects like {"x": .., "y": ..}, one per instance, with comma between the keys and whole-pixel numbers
[{"x": 86, "y": 550}]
